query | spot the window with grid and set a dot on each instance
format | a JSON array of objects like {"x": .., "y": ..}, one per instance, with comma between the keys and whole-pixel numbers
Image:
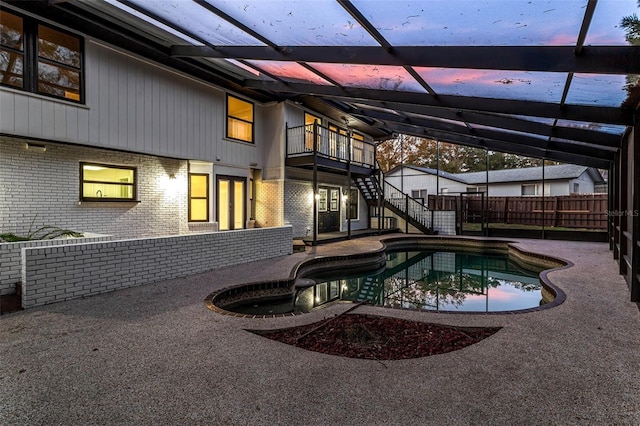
[
  {"x": 239, "y": 119},
  {"x": 57, "y": 58},
  {"x": 102, "y": 182}
]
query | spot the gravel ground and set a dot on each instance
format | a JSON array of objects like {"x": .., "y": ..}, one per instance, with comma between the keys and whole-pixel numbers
[{"x": 156, "y": 355}]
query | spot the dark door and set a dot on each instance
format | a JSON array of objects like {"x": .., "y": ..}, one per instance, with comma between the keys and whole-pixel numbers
[{"x": 328, "y": 209}]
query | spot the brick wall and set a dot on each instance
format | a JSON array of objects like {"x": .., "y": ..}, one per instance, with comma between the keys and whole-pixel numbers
[
  {"x": 269, "y": 203},
  {"x": 298, "y": 207},
  {"x": 46, "y": 186},
  {"x": 10, "y": 258},
  {"x": 58, "y": 273}
]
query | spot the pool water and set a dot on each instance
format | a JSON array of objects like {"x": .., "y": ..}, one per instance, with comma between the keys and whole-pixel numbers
[{"x": 421, "y": 280}]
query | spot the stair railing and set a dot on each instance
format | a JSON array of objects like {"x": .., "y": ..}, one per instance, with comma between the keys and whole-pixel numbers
[{"x": 408, "y": 205}]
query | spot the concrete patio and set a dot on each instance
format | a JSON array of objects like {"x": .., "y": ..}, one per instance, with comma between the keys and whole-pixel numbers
[{"x": 156, "y": 355}]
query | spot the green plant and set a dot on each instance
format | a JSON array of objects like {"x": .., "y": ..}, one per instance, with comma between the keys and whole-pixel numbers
[{"x": 46, "y": 232}]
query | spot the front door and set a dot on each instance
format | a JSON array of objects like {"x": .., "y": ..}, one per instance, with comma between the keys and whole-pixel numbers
[
  {"x": 328, "y": 209},
  {"x": 231, "y": 193}
]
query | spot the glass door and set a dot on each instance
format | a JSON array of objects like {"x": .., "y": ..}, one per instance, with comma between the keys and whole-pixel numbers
[{"x": 231, "y": 202}]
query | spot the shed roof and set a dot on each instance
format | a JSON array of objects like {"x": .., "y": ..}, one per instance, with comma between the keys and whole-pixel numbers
[
  {"x": 563, "y": 171},
  {"x": 525, "y": 174}
]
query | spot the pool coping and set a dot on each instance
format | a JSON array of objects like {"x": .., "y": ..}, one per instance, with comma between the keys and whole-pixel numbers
[{"x": 374, "y": 258}]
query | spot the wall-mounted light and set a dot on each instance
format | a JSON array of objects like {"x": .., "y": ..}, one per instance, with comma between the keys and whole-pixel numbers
[
  {"x": 172, "y": 175},
  {"x": 35, "y": 147},
  {"x": 253, "y": 164}
]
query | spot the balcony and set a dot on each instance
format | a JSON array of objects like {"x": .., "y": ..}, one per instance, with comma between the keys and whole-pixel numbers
[{"x": 329, "y": 150}]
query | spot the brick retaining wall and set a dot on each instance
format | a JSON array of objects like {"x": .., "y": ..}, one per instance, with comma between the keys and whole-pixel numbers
[
  {"x": 58, "y": 273},
  {"x": 10, "y": 257}
]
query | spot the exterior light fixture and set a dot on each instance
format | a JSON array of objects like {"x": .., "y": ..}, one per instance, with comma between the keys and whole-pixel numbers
[{"x": 35, "y": 147}]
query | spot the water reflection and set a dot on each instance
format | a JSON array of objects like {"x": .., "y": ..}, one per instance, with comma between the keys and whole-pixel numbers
[{"x": 441, "y": 281}]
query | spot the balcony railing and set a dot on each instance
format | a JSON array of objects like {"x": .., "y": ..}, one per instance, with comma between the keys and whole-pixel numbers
[{"x": 303, "y": 140}]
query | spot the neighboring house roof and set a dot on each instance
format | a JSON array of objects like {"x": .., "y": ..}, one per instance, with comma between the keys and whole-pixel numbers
[
  {"x": 430, "y": 171},
  {"x": 563, "y": 171}
]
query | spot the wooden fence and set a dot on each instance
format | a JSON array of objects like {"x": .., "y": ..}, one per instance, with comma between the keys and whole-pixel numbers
[{"x": 568, "y": 211}]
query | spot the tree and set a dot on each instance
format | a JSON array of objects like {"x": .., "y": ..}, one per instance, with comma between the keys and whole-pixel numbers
[
  {"x": 631, "y": 25},
  {"x": 453, "y": 158}
]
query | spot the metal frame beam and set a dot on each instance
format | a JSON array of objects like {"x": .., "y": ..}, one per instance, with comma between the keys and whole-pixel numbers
[
  {"x": 498, "y": 121},
  {"x": 608, "y": 115},
  {"x": 502, "y": 146},
  {"x": 511, "y": 138},
  {"x": 591, "y": 60}
]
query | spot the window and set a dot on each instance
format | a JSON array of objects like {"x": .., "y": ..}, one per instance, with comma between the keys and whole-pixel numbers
[
  {"x": 100, "y": 182},
  {"x": 335, "y": 199},
  {"x": 198, "y": 197},
  {"x": 239, "y": 119},
  {"x": 357, "y": 148},
  {"x": 535, "y": 189},
  {"x": 56, "y": 57},
  {"x": 337, "y": 142},
  {"x": 322, "y": 200},
  {"x": 529, "y": 189},
  {"x": 352, "y": 211},
  {"x": 309, "y": 120},
  {"x": 576, "y": 188},
  {"x": 11, "y": 50},
  {"x": 419, "y": 194},
  {"x": 477, "y": 188}
]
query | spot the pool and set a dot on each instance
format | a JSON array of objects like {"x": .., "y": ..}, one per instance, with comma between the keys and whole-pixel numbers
[{"x": 428, "y": 280}]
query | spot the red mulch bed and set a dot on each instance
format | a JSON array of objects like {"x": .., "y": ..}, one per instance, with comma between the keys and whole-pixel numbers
[{"x": 379, "y": 338}]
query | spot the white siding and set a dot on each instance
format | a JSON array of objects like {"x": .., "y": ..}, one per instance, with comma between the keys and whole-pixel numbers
[
  {"x": 416, "y": 180},
  {"x": 413, "y": 180},
  {"x": 586, "y": 185},
  {"x": 137, "y": 106}
]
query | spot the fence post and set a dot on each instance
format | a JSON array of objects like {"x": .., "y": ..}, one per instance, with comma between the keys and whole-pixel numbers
[{"x": 506, "y": 210}]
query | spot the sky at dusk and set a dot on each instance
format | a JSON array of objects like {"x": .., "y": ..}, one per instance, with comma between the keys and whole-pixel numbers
[{"x": 413, "y": 23}]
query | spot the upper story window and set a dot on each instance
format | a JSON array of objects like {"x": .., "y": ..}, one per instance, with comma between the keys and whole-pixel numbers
[
  {"x": 101, "y": 182},
  {"x": 239, "y": 119},
  {"x": 11, "y": 50},
  {"x": 56, "y": 57},
  {"x": 309, "y": 119},
  {"x": 357, "y": 148}
]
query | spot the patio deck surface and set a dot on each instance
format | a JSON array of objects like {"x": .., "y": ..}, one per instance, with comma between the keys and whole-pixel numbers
[{"x": 156, "y": 355}]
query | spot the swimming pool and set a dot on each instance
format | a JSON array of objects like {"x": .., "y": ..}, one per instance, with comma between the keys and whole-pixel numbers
[
  {"x": 427, "y": 280},
  {"x": 445, "y": 272}
]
